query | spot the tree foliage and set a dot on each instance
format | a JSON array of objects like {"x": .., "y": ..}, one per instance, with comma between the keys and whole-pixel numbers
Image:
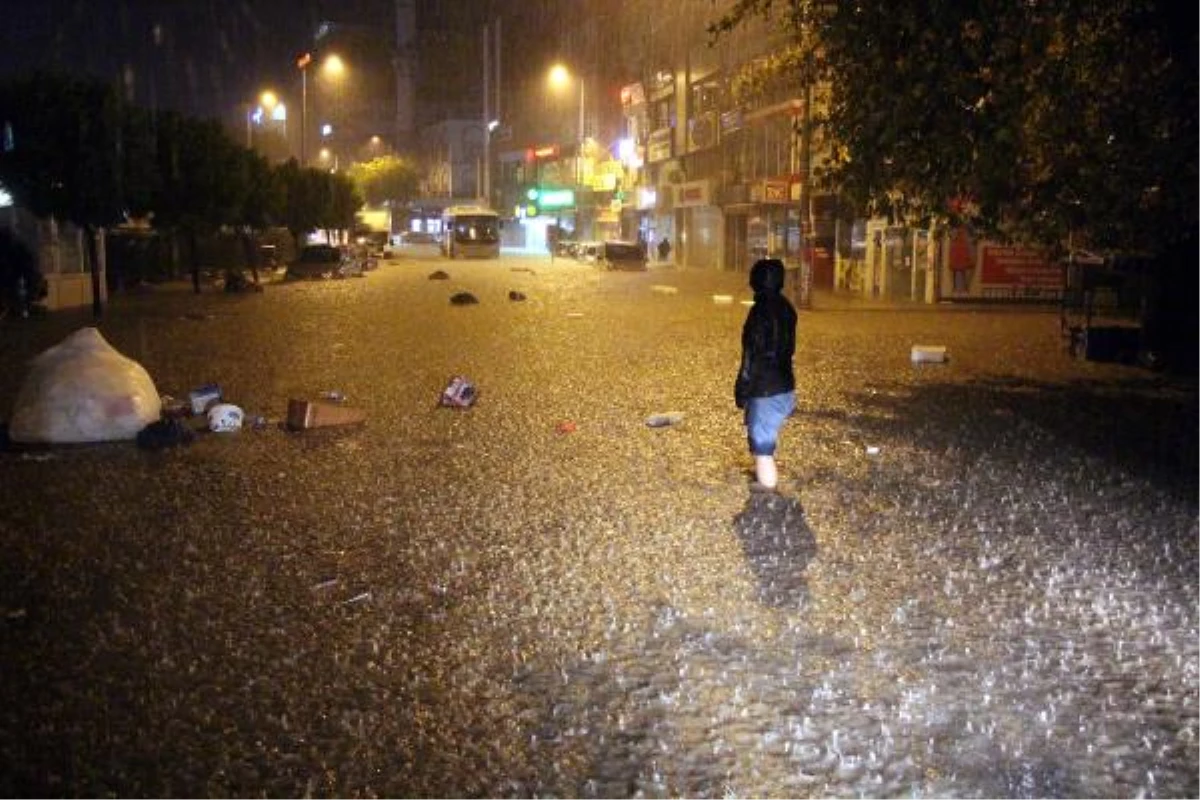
[
  {"x": 63, "y": 151},
  {"x": 386, "y": 179},
  {"x": 78, "y": 153},
  {"x": 1032, "y": 120}
]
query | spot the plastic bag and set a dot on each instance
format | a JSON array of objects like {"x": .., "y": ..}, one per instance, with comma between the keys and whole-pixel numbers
[{"x": 83, "y": 390}]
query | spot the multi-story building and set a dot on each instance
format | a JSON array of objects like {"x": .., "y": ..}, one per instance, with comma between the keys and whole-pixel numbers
[
  {"x": 650, "y": 142},
  {"x": 641, "y": 137},
  {"x": 723, "y": 178}
]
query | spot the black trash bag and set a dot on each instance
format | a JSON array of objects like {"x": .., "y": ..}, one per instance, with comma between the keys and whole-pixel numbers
[{"x": 166, "y": 432}]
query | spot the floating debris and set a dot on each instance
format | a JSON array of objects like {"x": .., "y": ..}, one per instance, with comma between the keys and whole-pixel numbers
[
  {"x": 459, "y": 393},
  {"x": 303, "y": 415},
  {"x": 928, "y": 354},
  {"x": 204, "y": 396}
]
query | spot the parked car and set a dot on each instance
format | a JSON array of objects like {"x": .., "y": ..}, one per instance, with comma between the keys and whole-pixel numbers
[
  {"x": 614, "y": 254},
  {"x": 328, "y": 261}
]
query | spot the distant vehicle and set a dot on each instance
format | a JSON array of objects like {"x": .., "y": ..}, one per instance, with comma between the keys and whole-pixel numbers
[
  {"x": 415, "y": 244},
  {"x": 418, "y": 237},
  {"x": 614, "y": 254},
  {"x": 470, "y": 232},
  {"x": 587, "y": 252},
  {"x": 375, "y": 243},
  {"x": 327, "y": 261}
]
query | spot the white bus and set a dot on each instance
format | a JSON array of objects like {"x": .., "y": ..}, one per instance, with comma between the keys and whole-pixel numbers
[{"x": 470, "y": 232}]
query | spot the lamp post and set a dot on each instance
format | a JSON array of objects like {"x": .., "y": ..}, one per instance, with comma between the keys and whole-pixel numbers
[
  {"x": 334, "y": 69},
  {"x": 560, "y": 77},
  {"x": 302, "y": 63},
  {"x": 491, "y": 107}
]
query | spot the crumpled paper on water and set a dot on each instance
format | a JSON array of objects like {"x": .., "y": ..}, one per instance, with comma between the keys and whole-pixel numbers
[{"x": 83, "y": 390}]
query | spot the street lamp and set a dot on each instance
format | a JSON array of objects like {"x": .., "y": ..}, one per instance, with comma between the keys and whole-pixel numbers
[
  {"x": 302, "y": 63},
  {"x": 560, "y": 79},
  {"x": 334, "y": 69},
  {"x": 267, "y": 101},
  {"x": 328, "y": 158},
  {"x": 334, "y": 66}
]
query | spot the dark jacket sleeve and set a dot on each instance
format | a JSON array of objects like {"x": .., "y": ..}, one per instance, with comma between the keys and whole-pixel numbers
[{"x": 768, "y": 344}]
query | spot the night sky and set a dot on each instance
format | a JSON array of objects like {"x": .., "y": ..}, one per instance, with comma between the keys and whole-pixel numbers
[{"x": 205, "y": 58}]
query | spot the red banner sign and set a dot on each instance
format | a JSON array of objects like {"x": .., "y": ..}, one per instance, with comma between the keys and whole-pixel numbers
[{"x": 1018, "y": 266}]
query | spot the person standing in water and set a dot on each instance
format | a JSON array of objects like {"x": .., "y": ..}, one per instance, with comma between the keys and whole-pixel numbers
[{"x": 766, "y": 384}]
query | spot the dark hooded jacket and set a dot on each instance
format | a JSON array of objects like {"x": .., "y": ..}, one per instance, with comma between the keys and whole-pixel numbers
[{"x": 768, "y": 337}]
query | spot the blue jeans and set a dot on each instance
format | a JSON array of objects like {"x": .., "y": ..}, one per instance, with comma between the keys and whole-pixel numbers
[{"x": 764, "y": 417}]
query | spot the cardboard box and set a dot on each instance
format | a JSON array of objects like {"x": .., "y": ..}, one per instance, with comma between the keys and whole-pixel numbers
[{"x": 303, "y": 415}]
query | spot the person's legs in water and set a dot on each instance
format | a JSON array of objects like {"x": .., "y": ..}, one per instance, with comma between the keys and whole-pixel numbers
[{"x": 764, "y": 417}]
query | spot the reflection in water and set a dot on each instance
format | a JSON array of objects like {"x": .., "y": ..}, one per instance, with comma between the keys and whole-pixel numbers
[{"x": 778, "y": 545}]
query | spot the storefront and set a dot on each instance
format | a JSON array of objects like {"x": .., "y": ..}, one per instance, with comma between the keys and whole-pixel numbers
[{"x": 701, "y": 226}]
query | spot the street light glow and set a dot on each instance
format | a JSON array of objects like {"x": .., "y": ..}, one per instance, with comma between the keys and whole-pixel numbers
[
  {"x": 560, "y": 76},
  {"x": 334, "y": 66}
]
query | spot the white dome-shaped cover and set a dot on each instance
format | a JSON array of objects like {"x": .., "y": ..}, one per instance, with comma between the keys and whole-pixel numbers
[
  {"x": 83, "y": 390},
  {"x": 225, "y": 418}
]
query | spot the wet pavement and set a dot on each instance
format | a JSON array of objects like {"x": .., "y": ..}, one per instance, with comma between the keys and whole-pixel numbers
[{"x": 980, "y": 579}]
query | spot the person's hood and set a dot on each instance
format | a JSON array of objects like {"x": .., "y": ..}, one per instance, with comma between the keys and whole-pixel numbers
[{"x": 766, "y": 276}]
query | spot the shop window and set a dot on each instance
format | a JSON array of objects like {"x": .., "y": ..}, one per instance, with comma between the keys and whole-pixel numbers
[{"x": 662, "y": 113}]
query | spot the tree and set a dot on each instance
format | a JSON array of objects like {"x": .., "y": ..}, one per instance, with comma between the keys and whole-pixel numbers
[
  {"x": 70, "y": 144},
  {"x": 315, "y": 199},
  {"x": 342, "y": 202},
  {"x": 388, "y": 179},
  {"x": 204, "y": 181},
  {"x": 1026, "y": 120}
]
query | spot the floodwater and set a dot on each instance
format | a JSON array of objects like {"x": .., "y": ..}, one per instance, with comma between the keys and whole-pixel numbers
[{"x": 979, "y": 579}]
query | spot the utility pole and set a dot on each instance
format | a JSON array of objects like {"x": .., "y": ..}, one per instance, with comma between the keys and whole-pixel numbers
[
  {"x": 487, "y": 120},
  {"x": 802, "y": 291},
  {"x": 491, "y": 105},
  {"x": 303, "y": 63}
]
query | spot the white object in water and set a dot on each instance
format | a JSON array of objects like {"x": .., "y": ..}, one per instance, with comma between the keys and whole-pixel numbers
[
  {"x": 225, "y": 418},
  {"x": 664, "y": 289},
  {"x": 83, "y": 390},
  {"x": 723, "y": 299},
  {"x": 928, "y": 354}
]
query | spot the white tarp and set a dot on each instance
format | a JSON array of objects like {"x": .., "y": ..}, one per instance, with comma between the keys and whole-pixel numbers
[{"x": 83, "y": 390}]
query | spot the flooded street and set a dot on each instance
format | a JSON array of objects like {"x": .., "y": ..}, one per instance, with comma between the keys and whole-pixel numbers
[{"x": 979, "y": 579}]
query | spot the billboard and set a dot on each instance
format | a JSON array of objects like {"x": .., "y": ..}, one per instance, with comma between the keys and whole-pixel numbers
[{"x": 1015, "y": 266}]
